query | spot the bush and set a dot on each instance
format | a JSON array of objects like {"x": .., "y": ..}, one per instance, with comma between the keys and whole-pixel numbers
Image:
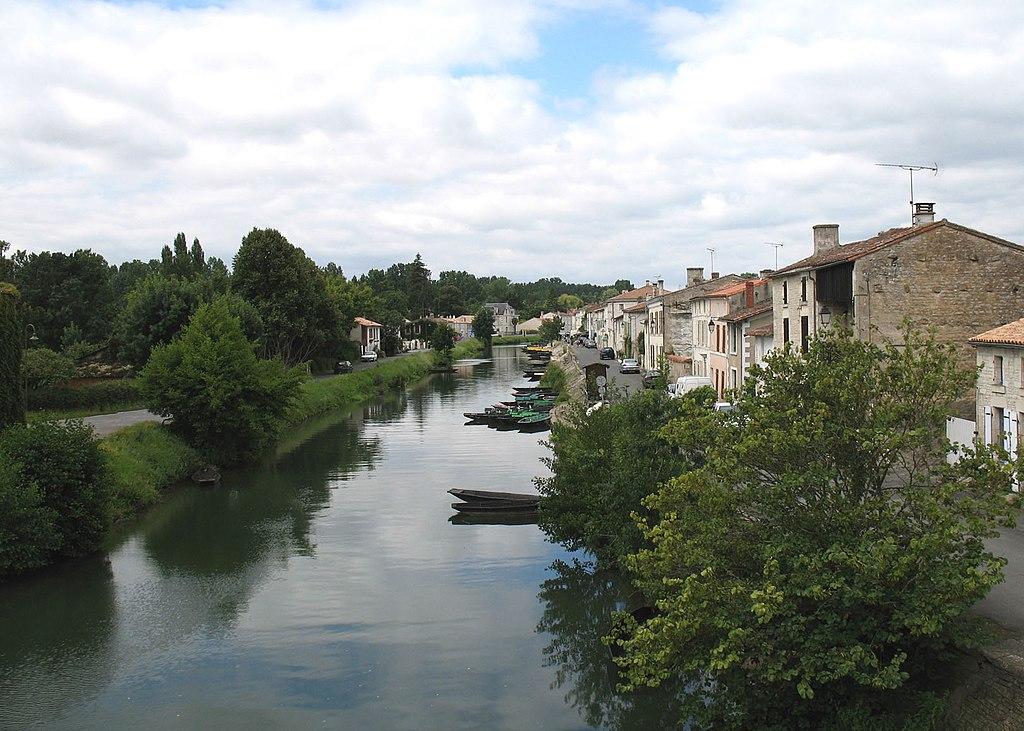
[
  {"x": 55, "y": 480},
  {"x": 99, "y": 395},
  {"x": 43, "y": 367},
  {"x": 223, "y": 399},
  {"x": 11, "y": 338}
]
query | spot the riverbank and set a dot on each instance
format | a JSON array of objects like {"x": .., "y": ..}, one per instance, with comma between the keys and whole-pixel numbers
[
  {"x": 146, "y": 459},
  {"x": 515, "y": 339}
]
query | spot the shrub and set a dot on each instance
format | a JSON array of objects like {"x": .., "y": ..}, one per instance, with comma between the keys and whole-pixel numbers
[
  {"x": 65, "y": 492},
  {"x": 28, "y": 533},
  {"x": 223, "y": 399},
  {"x": 43, "y": 367},
  {"x": 11, "y": 338},
  {"x": 97, "y": 395}
]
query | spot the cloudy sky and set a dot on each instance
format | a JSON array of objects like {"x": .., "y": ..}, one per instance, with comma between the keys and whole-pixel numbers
[{"x": 583, "y": 139}]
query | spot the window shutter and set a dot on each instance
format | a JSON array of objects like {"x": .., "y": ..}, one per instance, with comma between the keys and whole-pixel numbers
[
  {"x": 1007, "y": 434},
  {"x": 988, "y": 425}
]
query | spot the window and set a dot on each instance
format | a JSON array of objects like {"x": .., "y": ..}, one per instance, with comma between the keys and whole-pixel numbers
[
  {"x": 785, "y": 293},
  {"x": 997, "y": 425},
  {"x": 997, "y": 370},
  {"x": 785, "y": 329},
  {"x": 804, "y": 334},
  {"x": 803, "y": 289},
  {"x": 734, "y": 377}
]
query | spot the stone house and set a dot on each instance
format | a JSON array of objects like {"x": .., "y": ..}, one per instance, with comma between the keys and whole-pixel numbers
[
  {"x": 934, "y": 273},
  {"x": 612, "y": 334},
  {"x": 593, "y": 319},
  {"x": 1000, "y": 406},
  {"x": 746, "y": 349},
  {"x": 669, "y": 322},
  {"x": 718, "y": 341},
  {"x": 504, "y": 318},
  {"x": 635, "y": 325}
]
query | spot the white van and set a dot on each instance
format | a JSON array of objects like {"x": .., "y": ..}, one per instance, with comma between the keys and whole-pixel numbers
[{"x": 684, "y": 384}]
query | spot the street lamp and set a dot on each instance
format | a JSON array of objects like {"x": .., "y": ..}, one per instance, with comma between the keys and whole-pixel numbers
[{"x": 826, "y": 315}]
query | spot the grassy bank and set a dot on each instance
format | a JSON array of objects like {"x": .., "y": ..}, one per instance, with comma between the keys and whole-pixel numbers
[
  {"x": 73, "y": 401},
  {"x": 145, "y": 459},
  {"x": 515, "y": 339}
]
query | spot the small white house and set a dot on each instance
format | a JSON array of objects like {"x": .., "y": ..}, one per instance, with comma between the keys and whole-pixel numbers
[
  {"x": 1000, "y": 408},
  {"x": 367, "y": 334}
]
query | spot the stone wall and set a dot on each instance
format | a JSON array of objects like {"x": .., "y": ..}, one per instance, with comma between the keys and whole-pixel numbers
[
  {"x": 989, "y": 690},
  {"x": 575, "y": 381}
]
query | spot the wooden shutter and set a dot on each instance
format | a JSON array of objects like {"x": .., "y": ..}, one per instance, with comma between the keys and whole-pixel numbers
[{"x": 988, "y": 425}]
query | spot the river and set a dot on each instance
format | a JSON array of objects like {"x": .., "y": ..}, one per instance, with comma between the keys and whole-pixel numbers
[{"x": 328, "y": 588}]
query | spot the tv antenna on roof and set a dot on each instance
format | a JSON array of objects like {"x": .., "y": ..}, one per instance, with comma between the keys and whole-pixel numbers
[
  {"x": 712, "y": 260},
  {"x": 777, "y": 247},
  {"x": 934, "y": 168}
]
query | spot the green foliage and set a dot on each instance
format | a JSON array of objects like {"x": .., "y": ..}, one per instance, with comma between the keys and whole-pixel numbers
[
  {"x": 515, "y": 339},
  {"x": 826, "y": 550},
  {"x": 443, "y": 340},
  {"x": 223, "y": 399},
  {"x": 41, "y": 368},
  {"x": 554, "y": 378},
  {"x": 569, "y": 302},
  {"x": 605, "y": 464},
  {"x": 550, "y": 330},
  {"x": 97, "y": 395},
  {"x": 143, "y": 459},
  {"x": 288, "y": 291},
  {"x": 483, "y": 326},
  {"x": 64, "y": 290},
  {"x": 12, "y": 335},
  {"x": 449, "y": 301},
  {"x": 53, "y": 478}
]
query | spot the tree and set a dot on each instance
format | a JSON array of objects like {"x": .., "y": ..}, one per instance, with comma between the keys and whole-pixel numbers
[
  {"x": 623, "y": 284},
  {"x": 605, "y": 464},
  {"x": 60, "y": 290},
  {"x": 826, "y": 550},
  {"x": 42, "y": 367},
  {"x": 223, "y": 399},
  {"x": 449, "y": 301},
  {"x": 442, "y": 340},
  {"x": 568, "y": 302},
  {"x": 154, "y": 311},
  {"x": 6, "y": 267},
  {"x": 12, "y": 340},
  {"x": 551, "y": 329},
  {"x": 483, "y": 326},
  {"x": 288, "y": 291},
  {"x": 419, "y": 288}
]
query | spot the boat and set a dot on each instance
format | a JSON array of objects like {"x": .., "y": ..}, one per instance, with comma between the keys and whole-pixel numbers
[
  {"x": 535, "y": 418},
  {"x": 496, "y": 506},
  {"x": 477, "y": 496},
  {"x": 524, "y": 518},
  {"x": 208, "y": 475},
  {"x": 478, "y": 415},
  {"x": 532, "y": 389}
]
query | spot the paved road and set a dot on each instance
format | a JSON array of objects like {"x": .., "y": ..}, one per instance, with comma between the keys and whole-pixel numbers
[
  {"x": 629, "y": 383},
  {"x": 358, "y": 365}
]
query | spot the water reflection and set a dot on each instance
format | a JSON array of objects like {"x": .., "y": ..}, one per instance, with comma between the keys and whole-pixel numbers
[{"x": 578, "y": 604}]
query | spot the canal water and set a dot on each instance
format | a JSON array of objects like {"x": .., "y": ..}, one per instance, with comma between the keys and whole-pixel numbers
[{"x": 328, "y": 588}]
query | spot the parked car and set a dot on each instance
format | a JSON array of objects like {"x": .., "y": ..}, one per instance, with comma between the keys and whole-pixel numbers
[
  {"x": 369, "y": 356},
  {"x": 606, "y": 354},
  {"x": 589, "y": 343},
  {"x": 724, "y": 406},
  {"x": 650, "y": 378},
  {"x": 685, "y": 384},
  {"x": 629, "y": 365},
  {"x": 343, "y": 366}
]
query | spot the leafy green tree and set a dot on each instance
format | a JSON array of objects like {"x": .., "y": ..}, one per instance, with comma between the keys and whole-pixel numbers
[
  {"x": 483, "y": 326},
  {"x": 60, "y": 290},
  {"x": 391, "y": 332},
  {"x": 288, "y": 291},
  {"x": 43, "y": 367},
  {"x": 449, "y": 301},
  {"x": 442, "y": 341},
  {"x": 154, "y": 311},
  {"x": 551, "y": 330},
  {"x": 6, "y": 266},
  {"x": 61, "y": 466},
  {"x": 569, "y": 302},
  {"x": 623, "y": 284},
  {"x": 222, "y": 398},
  {"x": 419, "y": 287},
  {"x": 12, "y": 337},
  {"x": 826, "y": 550},
  {"x": 129, "y": 274},
  {"x": 605, "y": 464}
]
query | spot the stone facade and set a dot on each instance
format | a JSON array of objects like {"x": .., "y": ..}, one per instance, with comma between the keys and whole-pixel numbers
[{"x": 935, "y": 274}]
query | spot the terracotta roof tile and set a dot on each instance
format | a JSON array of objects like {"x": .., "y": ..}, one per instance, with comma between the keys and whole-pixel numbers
[
  {"x": 736, "y": 288},
  {"x": 639, "y": 307},
  {"x": 367, "y": 323},
  {"x": 1012, "y": 333},
  {"x": 678, "y": 358},
  {"x": 639, "y": 293},
  {"x": 747, "y": 312},
  {"x": 761, "y": 330}
]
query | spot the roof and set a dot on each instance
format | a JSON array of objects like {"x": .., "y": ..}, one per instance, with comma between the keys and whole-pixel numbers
[
  {"x": 639, "y": 307},
  {"x": 858, "y": 249},
  {"x": 367, "y": 323},
  {"x": 761, "y": 331},
  {"x": 640, "y": 293},
  {"x": 747, "y": 312},
  {"x": 1012, "y": 333},
  {"x": 594, "y": 307},
  {"x": 499, "y": 307},
  {"x": 736, "y": 288},
  {"x": 678, "y": 358}
]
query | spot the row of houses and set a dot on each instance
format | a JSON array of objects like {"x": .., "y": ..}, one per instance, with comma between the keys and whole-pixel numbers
[
  {"x": 368, "y": 334},
  {"x": 965, "y": 283}
]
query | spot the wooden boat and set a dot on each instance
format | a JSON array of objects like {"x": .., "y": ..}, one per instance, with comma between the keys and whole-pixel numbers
[
  {"x": 536, "y": 418},
  {"x": 208, "y": 475},
  {"x": 489, "y": 495},
  {"x": 496, "y": 506},
  {"x": 532, "y": 389},
  {"x": 525, "y": 518},
  {"x": 477, "y": 415}
]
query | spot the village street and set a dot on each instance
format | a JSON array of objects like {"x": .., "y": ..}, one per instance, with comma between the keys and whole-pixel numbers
[{"x": 627, "y": 383}]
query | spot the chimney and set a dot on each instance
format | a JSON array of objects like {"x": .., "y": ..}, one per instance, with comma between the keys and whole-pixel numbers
[
  {"x": 826, "y": 236},
  {"x": 748, "y": 293},
  {"x": 924, "y": 213},
  {"x": 714, "y": 275},
  {"x": 694, "y": 275},
  {"x": 765, "y": 273},
  {"x": 661, "y": 287}
]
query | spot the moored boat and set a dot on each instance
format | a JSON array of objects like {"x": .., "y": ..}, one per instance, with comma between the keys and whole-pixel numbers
[{"x": 490, "y": 496}]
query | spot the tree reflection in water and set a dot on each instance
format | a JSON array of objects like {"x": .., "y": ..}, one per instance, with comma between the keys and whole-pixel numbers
[{"x": 578, "y": 604}]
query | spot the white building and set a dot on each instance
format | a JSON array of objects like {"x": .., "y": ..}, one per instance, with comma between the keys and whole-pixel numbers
[
  {"x": 504, "y": 318},
  {"x": 1000, "y": 408},
  {"x": 367, "y": 334}
]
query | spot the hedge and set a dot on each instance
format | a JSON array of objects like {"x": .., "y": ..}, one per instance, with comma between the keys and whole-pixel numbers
[{"x": 96, "y": 395}]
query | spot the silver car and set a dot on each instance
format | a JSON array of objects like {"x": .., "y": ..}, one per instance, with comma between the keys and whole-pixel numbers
[{"x": 629, "y": 365}]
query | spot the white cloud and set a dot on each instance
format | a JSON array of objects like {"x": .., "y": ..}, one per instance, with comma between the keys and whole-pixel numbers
[{"x": 369, "y": 131}]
